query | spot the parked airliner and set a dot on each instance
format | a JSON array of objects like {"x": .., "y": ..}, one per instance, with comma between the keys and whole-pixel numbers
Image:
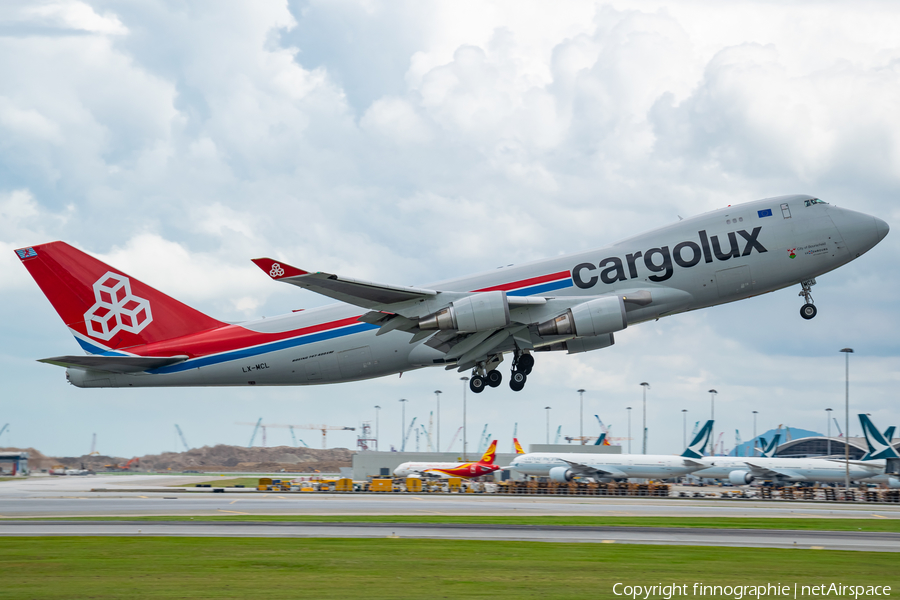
[
  {"x": 466, "y": 470},
  {"x": 566, "y": 466},
  {"x": 136, "y": 336},
  {"x": 742, "y": 471}
]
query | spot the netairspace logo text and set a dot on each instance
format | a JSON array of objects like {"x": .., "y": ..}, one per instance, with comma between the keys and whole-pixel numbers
[{"x": 774, "y": 590}]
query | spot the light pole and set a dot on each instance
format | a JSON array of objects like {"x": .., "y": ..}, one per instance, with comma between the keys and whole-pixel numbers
[
  {"x": 712, "y": 417},
  {"x": 646, "y": 387},
  {"x": 581, "y": 416},
  {"x": 437, "y": 394},
  {"x": 847, "y": 352},
  {"x": 828, "y": 425},
  {"x": 403, "y": 402},
  {"x": 684, "y": 427},
  {"x": 465, "y": 385},
  {"x": 628, "y": 408},
  {"x": 754, "y": 432},
  {"x": 377, "y": 408},
  {"x": 547, "y": 408}
]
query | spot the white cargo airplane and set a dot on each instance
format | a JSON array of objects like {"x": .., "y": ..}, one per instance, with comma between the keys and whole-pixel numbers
[
  {"x": 872, "y": 467},
  {"x": 136, "y": 336},
  {"x": 566, "y": 466}
]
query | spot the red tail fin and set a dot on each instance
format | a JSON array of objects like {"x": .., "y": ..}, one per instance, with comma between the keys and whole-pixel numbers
[
  {"x": 102, "y": 306},
  {"x": 490, "y": 453}
]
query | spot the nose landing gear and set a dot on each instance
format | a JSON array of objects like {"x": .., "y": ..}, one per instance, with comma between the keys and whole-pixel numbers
[{"x": 808, "y": 310}]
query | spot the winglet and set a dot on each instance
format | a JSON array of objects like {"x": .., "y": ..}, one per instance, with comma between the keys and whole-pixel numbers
[{"x": 276, "y": 269}]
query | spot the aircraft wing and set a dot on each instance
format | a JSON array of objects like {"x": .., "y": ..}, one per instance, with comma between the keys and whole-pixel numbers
[
  {"x": 592, "y": 471},
  {"x": 352, "y": 291},
  {"x": 114, "y": 364},
  {"x": 779, "y": 474}
]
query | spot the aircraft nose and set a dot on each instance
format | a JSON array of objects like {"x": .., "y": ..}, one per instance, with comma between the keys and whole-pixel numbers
[
  {"x": 881, "y": 228},
  {"x": 861, "y": 232}
]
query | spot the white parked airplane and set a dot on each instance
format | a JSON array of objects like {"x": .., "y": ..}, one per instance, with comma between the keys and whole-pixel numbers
[
  {"x": 566, "y": 466},
  {"x": 136, "y": 336},
  {"x": 742, "y": 471}
]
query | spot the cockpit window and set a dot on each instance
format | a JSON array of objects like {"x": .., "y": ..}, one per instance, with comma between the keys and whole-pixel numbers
[{"x": 812, "y": 201}]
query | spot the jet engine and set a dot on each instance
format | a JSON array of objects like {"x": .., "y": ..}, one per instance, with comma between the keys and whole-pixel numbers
[
  {"x": 596, "y": 317},
  {"x": 893, "y": 483},
  {"x": 740, "y": 477},
  {"x": 561, "y": 474},
  {"x": 479, "y": 312},
  {"x": 581, "y": 344}
]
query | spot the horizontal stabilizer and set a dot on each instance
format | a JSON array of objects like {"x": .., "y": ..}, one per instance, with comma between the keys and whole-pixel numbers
[{"x": 114, "y": 364}]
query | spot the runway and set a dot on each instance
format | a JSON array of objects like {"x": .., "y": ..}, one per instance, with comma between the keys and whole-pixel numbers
[
  {"x": 841, "y": 540},
  {"x": 71, "y": 497}
]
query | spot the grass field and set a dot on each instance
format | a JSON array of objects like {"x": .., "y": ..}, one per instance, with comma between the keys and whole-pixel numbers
[
  {"x": 103, "y": 567},
  {"x": 890, "y": 525}
]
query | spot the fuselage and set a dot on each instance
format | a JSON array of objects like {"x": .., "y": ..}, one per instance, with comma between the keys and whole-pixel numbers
[
  {"x": 722, "y": 256},
  {"x": 638, "y": 466},
  {"x": 448, "y": 469},
  {"x": 789, "y": 469}
]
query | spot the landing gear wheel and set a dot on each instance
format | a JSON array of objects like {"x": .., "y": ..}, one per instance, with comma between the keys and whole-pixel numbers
[
  {"x": 476, "y": 384},
  {"x": 517, "y": 381},
  {"x": 494, "y": 378},
  {"x": 808, "y": 311},
  {"x": 525, "y": 364}
]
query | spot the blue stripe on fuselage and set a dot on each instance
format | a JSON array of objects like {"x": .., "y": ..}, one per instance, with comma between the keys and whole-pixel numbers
[
  {"x": 542, "y": 287},
  {"x": 243, "y": 353},
  {"x": 92, "y": 349}
]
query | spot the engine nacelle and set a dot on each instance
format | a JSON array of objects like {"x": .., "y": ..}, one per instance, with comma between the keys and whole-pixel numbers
[
  {"x": 577, "y": 345},
  {"x": 893, "y": 483},
  {"x": 596, "y": 317},
  {"x": 740, "y": 477},
  {"x": 561, "y": 474},
  {"x": 479, "y": 312}
]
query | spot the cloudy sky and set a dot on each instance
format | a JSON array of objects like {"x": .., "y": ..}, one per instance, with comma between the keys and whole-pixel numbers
[{"x": 409, "y": 142}]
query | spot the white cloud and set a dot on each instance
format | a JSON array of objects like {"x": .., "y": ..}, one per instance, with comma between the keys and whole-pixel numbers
[{"x": 409, "y": 142}]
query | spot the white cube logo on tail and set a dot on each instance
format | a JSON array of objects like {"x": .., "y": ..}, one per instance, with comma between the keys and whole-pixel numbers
[
  {"x": 276, "y": 271},
  {"x": 116, "y": 308}
]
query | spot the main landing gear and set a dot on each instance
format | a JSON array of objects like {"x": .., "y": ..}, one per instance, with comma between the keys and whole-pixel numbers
[
  {"x": 808, "y": 310},
  {"x": 481, "y": 377},
  {"x": 522, "y": 365}
]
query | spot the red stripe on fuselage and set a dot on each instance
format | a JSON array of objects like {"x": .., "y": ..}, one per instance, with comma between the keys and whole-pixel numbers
[
  {"x": 514, "y": 285},
  {"x": 231, "y": 337},
  {"x": 235, "y": 337}
]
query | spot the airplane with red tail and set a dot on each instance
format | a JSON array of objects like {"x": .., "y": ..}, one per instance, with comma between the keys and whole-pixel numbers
[
  {"x": 135, "y": 336},
  {"x": 466, "y": 470}
]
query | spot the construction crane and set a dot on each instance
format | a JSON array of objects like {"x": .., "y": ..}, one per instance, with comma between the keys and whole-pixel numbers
[
  {"x": 4, "y": 428},
  {"x": 255, "y": 429},
  {"x": 427, "y": 436},
  {"x": 93, "y": 451},
  {"x": 558, "y": 432},
  {"x": 737, "y": 441},
  {"x": 453, "y": 441},
  {"x": 181, "y": 435},
  {"x": 408, "y": 431},
  {"x": 836, "y": 424},
  {"x": 718, "y": 440},
  {"x": 483, "y": 441},
  {"x": 323, "y": 428}
]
